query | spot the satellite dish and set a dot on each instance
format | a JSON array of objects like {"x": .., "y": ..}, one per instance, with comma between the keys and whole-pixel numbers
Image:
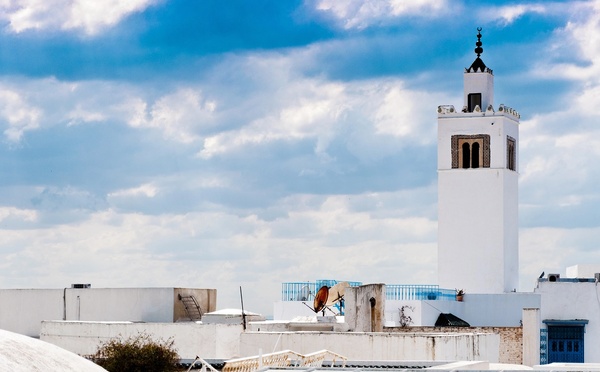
[
  {"x": 303, "y": 294},
  {"x": 321, "y": 298},
  {"x": 336, "y": 293}
]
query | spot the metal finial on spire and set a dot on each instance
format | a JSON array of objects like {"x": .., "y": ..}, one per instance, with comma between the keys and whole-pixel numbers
[
  {"x": 479, "y": 49},
  {"x": 478, "y": 65}
]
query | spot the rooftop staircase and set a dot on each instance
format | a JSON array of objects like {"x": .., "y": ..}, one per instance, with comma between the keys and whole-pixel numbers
[{"x": 192, "y": 308}]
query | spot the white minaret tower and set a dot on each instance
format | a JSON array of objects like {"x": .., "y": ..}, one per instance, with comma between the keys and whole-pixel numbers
[{"x": 478, "y": 188}]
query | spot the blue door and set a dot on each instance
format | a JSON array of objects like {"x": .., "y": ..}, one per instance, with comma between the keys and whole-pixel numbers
[{"x": 565, "y": 344}]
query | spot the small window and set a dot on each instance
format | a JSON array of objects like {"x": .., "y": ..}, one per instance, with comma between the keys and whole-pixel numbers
[
  {"x": 474, "y": 100},
  {"x": 466, "y": 155},
  {"x": 475, "y": 155},
  {"x": 511, "y": 153}
]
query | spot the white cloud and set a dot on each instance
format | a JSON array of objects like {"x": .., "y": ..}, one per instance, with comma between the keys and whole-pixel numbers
[
  {"x": 178, "y": 115},
  {"x": 317, "y": 109},
  {"x": 559, "y": 144},
  {"x": 401, "y": 109},
  {"x": 553, "y": 249},
  {"x": 30, "y": 104},
  {"x": 510, "y": 13},
  {"x": 224, "y": 250},
  {"x": 558, "y": 157},
  {"x": 80, "y": 115},
  {"x": 91, "y": 16},
  {"x": 147, "y": 190},
  {"x": 26, "y": 215},
  {"x": 321, "y": 110},
  {"x": 360, "y": 14},
  {"x": 578, "y": 42},
  {"x": 67, "y": 199},
  {"x": 19, "y": 115}
]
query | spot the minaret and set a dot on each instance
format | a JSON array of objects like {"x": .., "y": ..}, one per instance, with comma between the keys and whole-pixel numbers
[{"x": 478, "y": 188}]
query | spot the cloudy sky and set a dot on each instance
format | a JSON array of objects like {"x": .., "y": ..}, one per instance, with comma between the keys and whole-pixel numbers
[{"x": 202, "y": 144}]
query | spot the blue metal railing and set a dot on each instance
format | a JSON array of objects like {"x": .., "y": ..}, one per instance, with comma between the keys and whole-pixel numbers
[
  {"x": 304, "y": 291},
  {"x": 418, "y": 292}
]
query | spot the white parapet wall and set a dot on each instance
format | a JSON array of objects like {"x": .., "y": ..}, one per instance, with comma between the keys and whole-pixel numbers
[
  {"x": 531, "y": 336},
  {"x": 225, "y": 341},
  {"x": 209, "y": 341},
  {"x": 479, "y": 310},
  {"x": 378, "y": 346},
  {"x": 288, "y": 310},
  {"x": 582, "y": 271},
  {"x": 23, "y": 310}
]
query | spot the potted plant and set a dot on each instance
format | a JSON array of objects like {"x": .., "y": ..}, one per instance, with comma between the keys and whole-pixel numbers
[{"x": 459, "y": 295}]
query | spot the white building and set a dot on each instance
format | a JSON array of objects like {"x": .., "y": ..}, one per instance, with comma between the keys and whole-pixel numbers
[
  {"x": 569, "y": 316},
  {"x": 478, "y": 189},
  {"x": 23, "y": 310}
]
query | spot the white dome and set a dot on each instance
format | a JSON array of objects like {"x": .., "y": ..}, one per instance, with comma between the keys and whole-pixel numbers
[{"x": 20, "y": 353}]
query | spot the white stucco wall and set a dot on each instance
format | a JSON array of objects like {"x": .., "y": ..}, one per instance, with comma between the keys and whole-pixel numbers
[
  {"x": 498, "y": 125},
  {"x": 218, "y": 341},
  {"x": 582, "y": 271},
  {"x": 479, "y": 82},
  {"x": 478, "y": 209},
  {"x": 498, "y": 310},
  {"x": 479, "y": 310},
  {"x": 377, "y": 346},
  {"x": 225, "y": 341},
  {"x": 574, "y": 300},
  {"x": 23, "y": 310},
  {"x": 134, "y": 304},
  {"x": 531, "y": 336},
  {"x": 288, "y": 310},
  {"x": 422, "y": 313},
  {"x": 365, "y": 308}
]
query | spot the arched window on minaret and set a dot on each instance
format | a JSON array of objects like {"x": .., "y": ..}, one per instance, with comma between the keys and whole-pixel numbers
[
  {"x": 471, "y": 151},
  {"x": 466, "y": 155},
  {"x": 475, "y": 155}
]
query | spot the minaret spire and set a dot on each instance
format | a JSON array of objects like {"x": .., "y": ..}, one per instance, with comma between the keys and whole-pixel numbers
[
  {"x": 479, "y": 49},
  {"x": 478, "y": 65}
]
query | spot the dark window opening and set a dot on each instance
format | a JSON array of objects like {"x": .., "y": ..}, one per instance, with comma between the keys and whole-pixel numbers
[
  {"x": 474, "y": 100},
  {"x": 466, "y": 161},
  {"x": 511, "y": 149},
  {"x": 475, "y": 155}
]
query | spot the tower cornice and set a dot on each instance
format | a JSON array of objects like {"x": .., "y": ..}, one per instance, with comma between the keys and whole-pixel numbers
[{"x": 503, "y": 110}]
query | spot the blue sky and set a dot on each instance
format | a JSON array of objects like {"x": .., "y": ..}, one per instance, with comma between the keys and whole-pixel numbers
[{"x": 197, "y": 144}]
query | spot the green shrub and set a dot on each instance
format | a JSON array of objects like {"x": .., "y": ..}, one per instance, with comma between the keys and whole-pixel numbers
[{"x": 136, "y": 354}]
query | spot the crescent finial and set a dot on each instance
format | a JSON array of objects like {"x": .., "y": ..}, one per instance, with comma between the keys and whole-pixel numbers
[{"x": 479, "y": 49}]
